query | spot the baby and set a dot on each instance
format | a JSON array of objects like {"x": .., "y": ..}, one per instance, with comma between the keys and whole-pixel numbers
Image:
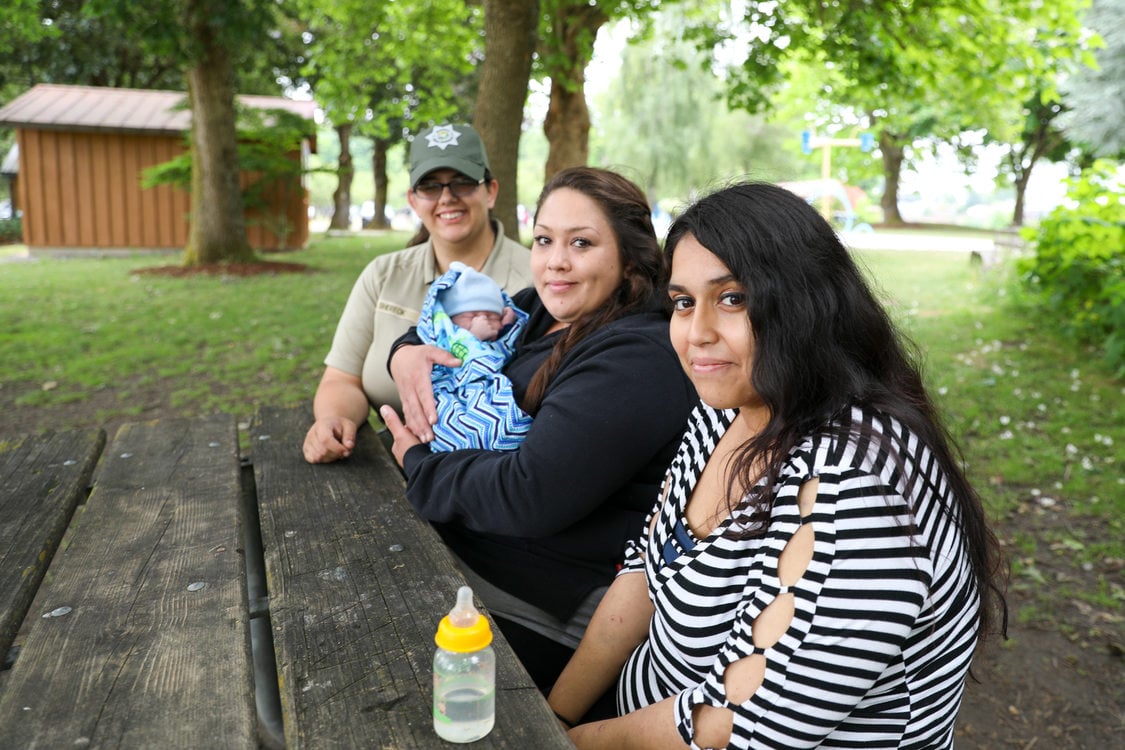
[
  {"x": 476, "y": 303},
  {"x": 469, "y": 315}
]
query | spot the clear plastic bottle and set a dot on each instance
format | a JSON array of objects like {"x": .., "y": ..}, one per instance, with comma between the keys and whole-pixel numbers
[{"x": 464, "y": 673}]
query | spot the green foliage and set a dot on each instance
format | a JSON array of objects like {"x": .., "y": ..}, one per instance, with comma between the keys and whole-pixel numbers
[
  {"x": 664, "y": 121},
  {"x": 11, "y": 230},
  {"x": 1025, "y": 106},
  {"x": 1095, "y": 95},
  {"x": 110, "y": 43},
  {"x": 881, "y": 46},
  {"x": 904, "y": 70},
  {"x": 98, "y": 49},
  {"x": 266, "y": 140},
  {"x": 567, "y": 31},
  {"x": 378, "y": 66},
  {"x": 1077, "y": 270},
  {"x": 175, "y": 172},
  {"x": 171, "y": 27},
  {"x": 20, "y": 30}
]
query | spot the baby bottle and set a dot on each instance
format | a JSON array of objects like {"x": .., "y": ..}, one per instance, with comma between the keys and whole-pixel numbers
[{"x": 464, "y": 673}]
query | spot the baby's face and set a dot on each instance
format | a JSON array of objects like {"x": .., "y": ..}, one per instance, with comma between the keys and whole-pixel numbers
[{"x": 481, "y": 323}]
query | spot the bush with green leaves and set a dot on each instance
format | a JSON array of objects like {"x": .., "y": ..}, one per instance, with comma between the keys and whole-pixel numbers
[
  {"x": 1077, "y": 269},
  {"x": 11, "y": 230}
]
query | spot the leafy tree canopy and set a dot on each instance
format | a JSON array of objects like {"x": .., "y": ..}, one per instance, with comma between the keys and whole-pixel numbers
[
  {"x": 1096, "y": 95},
  {"x": 260, "y": 40},
  {"x": 883, "y": 56},
  {"x": 665, "y": 122},
  {"x": 110, "y": 43},
  {"x": 377, "y": 65}
]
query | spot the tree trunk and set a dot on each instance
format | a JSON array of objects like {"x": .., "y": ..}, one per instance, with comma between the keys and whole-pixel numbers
[
  {"x": 1042, "y": 140},
  {"x": 567, "y": 124},
  {"x": 345, "y": 172},
  {"x": 218, "y": 226},
  {"x": 1021, "y": 190},
  {"x": 379, "y": 171},
  {"x": 510, "y": 28},
  {"x": 892, "y": 171}
]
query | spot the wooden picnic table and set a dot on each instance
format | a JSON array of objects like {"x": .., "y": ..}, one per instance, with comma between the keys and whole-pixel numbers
[{"x": 176, "y": 589}]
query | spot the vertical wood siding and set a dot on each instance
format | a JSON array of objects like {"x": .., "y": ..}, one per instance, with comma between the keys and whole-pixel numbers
[{"x": 83, "y": 190}]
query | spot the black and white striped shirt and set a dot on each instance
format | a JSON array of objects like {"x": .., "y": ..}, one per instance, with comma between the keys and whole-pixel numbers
[{"x": 885, "y": 619}]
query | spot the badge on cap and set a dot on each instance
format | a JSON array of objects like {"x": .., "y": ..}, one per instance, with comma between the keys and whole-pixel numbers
[{"x": 442, "y": 136}]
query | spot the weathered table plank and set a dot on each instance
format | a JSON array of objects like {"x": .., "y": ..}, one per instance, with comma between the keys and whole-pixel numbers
[
  {"x": 44, "y": 479},
  {"x": 357, "y": 585},
  {"x": 148, "y": 646}
]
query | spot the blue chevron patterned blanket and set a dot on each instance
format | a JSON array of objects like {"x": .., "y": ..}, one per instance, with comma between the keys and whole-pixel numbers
[{"x": 475, "y": 404}]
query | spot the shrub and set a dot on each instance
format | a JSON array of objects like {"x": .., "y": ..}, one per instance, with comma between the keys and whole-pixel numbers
[
  {"x": 1077, "y": 270},
  {"x": 11, "y": 230}
]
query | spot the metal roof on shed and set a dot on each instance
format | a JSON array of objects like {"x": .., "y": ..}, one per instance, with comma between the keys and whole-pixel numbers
[{"x": 50, "y": 106}]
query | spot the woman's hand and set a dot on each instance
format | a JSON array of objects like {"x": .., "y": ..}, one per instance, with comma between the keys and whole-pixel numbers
[
  {"x": 410, "y": 368},
  {"x": 339, "y": 408},
  {"x": 404, "y": 438},
  {"x": 329, "y": 439}
]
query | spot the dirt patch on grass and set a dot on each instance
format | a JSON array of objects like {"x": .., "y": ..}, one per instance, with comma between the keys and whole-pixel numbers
[
  {"x": 1045, "y": 690},
  {"x": 135, "y": 400},
  {"x": 1059, "y": 680},
  {"x": 224, "y": 269}
]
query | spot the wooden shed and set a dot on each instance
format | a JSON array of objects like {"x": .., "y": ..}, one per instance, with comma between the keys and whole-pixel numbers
[{"x": 82, "y": 150}]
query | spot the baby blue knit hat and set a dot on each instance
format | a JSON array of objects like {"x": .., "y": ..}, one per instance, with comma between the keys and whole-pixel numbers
[{"x": 473, "y": 290}]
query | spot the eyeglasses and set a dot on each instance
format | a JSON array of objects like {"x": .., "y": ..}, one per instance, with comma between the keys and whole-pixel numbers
[{"x": 461, "y": 187}]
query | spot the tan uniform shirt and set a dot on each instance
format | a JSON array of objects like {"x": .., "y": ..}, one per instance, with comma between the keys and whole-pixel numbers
[{"x": 387, "y": 300}]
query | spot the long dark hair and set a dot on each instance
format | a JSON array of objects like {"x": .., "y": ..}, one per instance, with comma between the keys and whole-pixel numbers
[
  {"x": 629, "y": 216},
  {"x": 823, "y": 343}
]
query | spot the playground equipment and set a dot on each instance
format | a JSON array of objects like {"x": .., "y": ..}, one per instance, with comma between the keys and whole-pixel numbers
[
  {"x": 824, "y": 191},
  {"x": 865, "y": 142}
]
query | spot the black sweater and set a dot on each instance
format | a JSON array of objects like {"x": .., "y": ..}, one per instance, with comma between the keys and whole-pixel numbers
[{"x": 548, "y": 522}]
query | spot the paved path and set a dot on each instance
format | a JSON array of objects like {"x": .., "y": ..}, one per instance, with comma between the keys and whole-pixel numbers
[{"x": 914, "y": 240}]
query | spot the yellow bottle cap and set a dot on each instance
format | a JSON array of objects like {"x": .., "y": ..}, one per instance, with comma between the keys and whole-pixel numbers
[{"x": 464, "y": 629}]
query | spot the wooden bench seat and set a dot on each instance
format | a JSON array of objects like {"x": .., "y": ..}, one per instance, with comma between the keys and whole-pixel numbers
[
  {"x": 154, "y": 626},
  {"x": 148, "y": 645},
  {"x": 357, "y": 585},
  {"x": 44, "y": 480}
]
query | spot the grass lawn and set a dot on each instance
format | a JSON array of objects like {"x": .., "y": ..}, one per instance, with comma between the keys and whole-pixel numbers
[
  {"x": 1039, "y": 421},
  {"x": 80, "y": 327}
]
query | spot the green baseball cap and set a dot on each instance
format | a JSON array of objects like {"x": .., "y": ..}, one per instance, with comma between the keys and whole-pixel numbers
[{"x": 448, "y": 147}]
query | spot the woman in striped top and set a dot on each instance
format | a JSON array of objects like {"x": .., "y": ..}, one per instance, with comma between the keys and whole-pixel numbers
[{"x": 818, "y": 570}]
